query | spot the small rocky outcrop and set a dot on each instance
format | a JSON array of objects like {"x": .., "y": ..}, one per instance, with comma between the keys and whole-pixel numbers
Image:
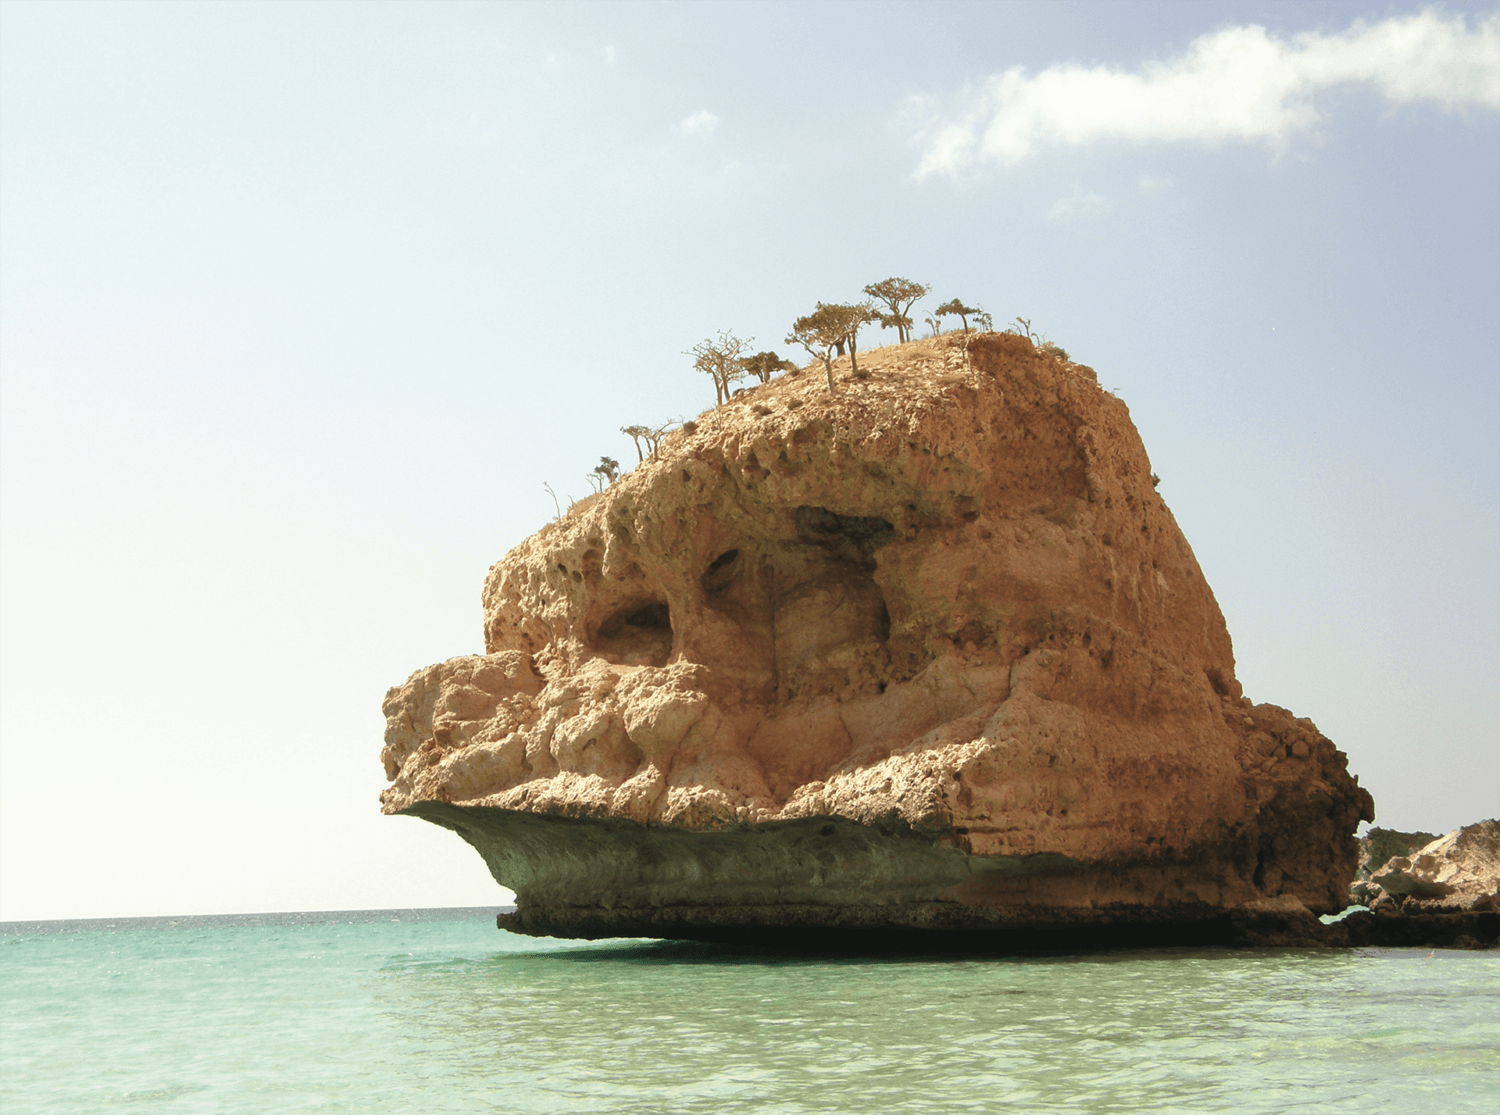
[
  {"x": 1456, "y": 872},
  {"x": 1379, "y": 845},
  {"x": 930, "y": 654}
]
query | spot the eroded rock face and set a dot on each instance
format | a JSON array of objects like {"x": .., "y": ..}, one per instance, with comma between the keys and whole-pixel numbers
[{"x": 931, "y": 652}]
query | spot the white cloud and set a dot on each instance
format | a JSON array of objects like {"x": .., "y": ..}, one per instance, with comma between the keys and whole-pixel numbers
[
  {"x": 1237, "y": 84},
  {"x": 1078, "y": 204},
  {"x": 699, "y": 123}
]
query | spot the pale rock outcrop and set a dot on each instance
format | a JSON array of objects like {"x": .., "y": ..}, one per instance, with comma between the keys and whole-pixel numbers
[
  {"x": 928, "y": 653},
  {"x": 1459, "y": 871}
]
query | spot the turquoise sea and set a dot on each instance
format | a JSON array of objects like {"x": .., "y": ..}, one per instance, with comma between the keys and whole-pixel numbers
[{"x": 437, "y": 1011}]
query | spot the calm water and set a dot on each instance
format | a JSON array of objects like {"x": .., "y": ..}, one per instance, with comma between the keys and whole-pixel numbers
[{"x": 437, "y": 1011}]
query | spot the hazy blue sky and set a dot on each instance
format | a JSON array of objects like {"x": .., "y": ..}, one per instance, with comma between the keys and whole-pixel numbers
[{"x": 302, "y": 304}]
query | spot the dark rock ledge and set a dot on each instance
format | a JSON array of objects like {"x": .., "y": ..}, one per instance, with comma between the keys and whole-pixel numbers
[{"x": 830, "y": 885}]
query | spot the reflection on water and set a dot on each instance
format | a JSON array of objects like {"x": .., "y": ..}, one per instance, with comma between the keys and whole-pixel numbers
[{"x": 450, "y": 1016}]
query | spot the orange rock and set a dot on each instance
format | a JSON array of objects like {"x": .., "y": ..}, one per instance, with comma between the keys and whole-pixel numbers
[{"x": 931, "y": 652}]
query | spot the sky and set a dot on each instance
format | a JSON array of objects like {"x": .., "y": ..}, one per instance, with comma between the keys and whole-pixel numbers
[{"x": 302, "y": 305}]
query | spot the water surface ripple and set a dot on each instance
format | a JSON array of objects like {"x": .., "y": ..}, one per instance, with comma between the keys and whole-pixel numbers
[{"x": 437, "y": 1012}]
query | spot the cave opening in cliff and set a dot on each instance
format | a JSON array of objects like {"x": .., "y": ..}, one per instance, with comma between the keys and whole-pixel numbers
[
  {"x": 854, "y": 537},
  {"x": 720, "y": 573},
  {"x": 638, "y": 634}
]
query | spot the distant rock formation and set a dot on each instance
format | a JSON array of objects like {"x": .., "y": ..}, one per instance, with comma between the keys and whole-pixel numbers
[
  {"x": 1376, "y": 848},
  {"x": 1456, "y": 872},
  {"x": 928, "y": 654}
]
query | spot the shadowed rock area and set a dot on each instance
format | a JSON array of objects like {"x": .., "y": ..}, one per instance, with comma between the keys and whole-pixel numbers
[{"x": 929, "y": 655}]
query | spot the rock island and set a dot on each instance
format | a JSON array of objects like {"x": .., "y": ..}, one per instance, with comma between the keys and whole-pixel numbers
[{"x": 928, "y": 654}]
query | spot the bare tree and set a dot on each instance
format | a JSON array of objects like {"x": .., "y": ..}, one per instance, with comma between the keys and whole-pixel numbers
[
  {"x": 723, "y": 359},
  {"x": 900, "y": 295},
  {"x": 1025, "y": 330},
  {"x": 957, "y": 307},
  {"x": 654, "y": 434},
  {"x": 637, "y": 433},
  {"x": 763, "y": 365}
]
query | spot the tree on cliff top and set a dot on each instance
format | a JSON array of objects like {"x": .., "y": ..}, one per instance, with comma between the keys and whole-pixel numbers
[
  {"x": 830, "y": 327},
  {"x": 654, "y": 434},
  {"x": 852, "y": 317},
  {"x": 637, "y": 433},
  {"x": 763, "y": 365},
  {"x": 819, "y": 333},
  {"x": 900, "y": 295},
  {"x": 722, "y": 358},
  {"x": 605, "y": 473},
  {"x": 963, "y": 312}
]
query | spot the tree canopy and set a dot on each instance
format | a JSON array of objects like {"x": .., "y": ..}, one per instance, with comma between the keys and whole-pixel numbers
[
  {"x": 819, "y": 333},
  {"x": 722, "y": 358},
  {"x": 853, "y": 316},
  {"x": 964, "y": 312},
  {"x": 763, "y": 365},
  {"x": 899, "y": 295},
  {"x": 605, "y": 473},
  {"x": 829, "y": 328}
]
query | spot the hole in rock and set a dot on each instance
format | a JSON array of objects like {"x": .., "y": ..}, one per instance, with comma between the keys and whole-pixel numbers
[
  {"x": 971, "y": 632},
  {"x": 852, "y": 536},
  {"x": 720, "y": 572},
  {"x": 639, "y": 634}
]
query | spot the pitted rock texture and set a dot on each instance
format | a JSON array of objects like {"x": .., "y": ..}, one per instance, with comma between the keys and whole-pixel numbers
[{"x": 946, "y": 605}]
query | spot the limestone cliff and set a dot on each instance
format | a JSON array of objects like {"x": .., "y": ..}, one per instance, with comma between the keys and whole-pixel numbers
[{"x": 930, "y": 652}]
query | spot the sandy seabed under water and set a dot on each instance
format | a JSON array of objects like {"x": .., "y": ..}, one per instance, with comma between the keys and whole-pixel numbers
[{"x": 436, "y": 1011}]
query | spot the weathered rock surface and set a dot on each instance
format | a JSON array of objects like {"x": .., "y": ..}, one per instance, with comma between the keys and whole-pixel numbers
[
  {"x": 1379, "y": 845},
  {"x": 928, "y": 654},
  {"x": 1459, "y": 871}
]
